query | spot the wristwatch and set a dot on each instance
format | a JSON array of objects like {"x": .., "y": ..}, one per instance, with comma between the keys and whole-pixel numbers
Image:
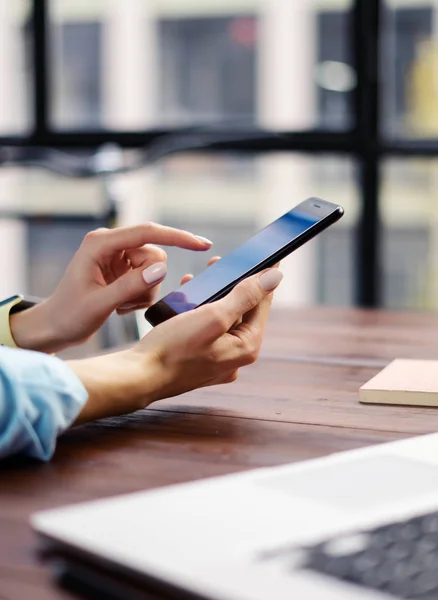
[{"x": 8, "y": 307}]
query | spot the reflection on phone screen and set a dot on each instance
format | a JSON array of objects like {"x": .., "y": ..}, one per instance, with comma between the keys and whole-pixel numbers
[{"x": 236, "y": 264}]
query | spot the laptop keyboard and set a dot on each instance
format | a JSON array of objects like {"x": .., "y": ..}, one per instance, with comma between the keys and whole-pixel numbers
[{"x": 400, "y": 559}]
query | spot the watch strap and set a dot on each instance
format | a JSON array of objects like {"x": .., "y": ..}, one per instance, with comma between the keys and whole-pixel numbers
[{"x": 10, "y": 306}]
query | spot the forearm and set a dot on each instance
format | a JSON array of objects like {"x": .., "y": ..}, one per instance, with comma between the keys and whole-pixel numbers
[
  {"x": 117, "y": 384},
  {"x": 35, "y": 329},
  {"x": 41, "y": 396}
]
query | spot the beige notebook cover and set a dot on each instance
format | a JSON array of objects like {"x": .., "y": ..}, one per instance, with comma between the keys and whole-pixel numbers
[{"x": 412, "y": 382}]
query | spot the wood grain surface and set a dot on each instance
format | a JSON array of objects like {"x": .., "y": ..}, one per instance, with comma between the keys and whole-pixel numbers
[
  {"x": 299, "y": 401},
  {"x": 351, "y": 335}
]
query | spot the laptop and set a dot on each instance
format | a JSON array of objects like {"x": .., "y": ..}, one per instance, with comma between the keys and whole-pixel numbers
[{"x": 358, "y": 525}]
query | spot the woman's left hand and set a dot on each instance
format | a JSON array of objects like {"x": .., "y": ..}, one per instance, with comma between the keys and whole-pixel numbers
[{"x": 113, "y": 269}]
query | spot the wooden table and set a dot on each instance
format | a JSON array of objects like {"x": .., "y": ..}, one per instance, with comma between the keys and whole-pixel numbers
[{"x": 299, "y": 401}]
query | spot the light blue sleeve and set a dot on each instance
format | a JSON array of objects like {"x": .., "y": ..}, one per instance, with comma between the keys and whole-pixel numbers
[{"x": 40, "y": 397}]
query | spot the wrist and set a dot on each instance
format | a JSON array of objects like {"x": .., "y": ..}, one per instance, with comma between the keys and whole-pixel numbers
[
  {"x": 117, "y": 384},
  {"x": 33, "y": 329}
]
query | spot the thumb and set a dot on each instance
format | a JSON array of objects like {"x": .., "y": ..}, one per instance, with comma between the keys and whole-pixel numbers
[
  {"x": 134, "y": 283},
  {"x": 247, "y": 295}
]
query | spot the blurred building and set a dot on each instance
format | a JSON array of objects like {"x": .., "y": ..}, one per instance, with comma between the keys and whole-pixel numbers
[{"x": 284, "y": 64}]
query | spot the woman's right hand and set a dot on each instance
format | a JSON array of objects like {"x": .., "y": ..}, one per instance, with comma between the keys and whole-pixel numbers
[
  {"x": 199, "y": 348},
  {"x": 208, "y": 345},
  {"x": 202, "y": 347}
]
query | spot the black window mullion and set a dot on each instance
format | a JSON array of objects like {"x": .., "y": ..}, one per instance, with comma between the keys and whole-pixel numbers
[
  {"x": 365, "y": 43},
  {"x": 40, "y": 71}
]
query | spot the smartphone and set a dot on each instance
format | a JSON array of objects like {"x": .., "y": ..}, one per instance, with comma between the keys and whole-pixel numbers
[{"x": 263, "y": 250}]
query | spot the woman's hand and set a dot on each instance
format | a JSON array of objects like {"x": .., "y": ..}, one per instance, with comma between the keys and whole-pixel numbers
[
  {"x": 199, "y": 348},
  {"x": 114, "y": 269},
  {"x": 208, "y": 345}
]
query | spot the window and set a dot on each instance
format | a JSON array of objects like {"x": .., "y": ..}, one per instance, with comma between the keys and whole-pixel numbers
[
  {"x": 78, "y": 93},
  {"x": 15, "y": 107},
  {"x": 158, "y": 64},
  {"x": 335, "y": 73},
  {"x": 410, "y": 64},
  {"x": 207, "y": 69},
  {"x": 410, "y": 234},
  {"x": 352, "y": 84}
]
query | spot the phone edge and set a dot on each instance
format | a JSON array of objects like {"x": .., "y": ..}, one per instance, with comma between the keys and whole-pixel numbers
[{"x": 330, "y": 219}]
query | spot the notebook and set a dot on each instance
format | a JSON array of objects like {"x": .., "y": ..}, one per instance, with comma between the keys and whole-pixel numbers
[{"x": 403, "y": 381}]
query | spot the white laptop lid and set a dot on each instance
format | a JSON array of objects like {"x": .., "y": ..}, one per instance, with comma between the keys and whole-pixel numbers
[{"x": 209, "y": 536}]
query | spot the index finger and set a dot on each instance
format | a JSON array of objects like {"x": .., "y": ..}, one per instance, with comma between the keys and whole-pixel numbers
[{"x": 126, "y": 238}]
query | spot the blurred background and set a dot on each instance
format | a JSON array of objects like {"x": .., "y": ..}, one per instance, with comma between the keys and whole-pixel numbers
[{"x": 343, "y": 94}]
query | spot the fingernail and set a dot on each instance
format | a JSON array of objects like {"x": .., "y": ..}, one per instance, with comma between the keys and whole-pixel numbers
[
  {"x": 204, "y": 240},
  {"x": 154, "y": 272},
  {"x": 270, "y": 279},
  {"x": 127, "y": 306}
]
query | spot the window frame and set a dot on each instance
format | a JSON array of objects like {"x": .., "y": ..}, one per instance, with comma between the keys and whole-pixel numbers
[{"x": 363, "y": 143}]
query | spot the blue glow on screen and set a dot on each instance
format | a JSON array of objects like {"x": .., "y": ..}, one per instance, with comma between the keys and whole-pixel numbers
[{"x": 238, "y": 262}]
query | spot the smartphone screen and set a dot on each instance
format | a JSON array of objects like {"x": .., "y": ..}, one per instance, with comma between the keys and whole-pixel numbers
[{"x": 264, "y": 249}]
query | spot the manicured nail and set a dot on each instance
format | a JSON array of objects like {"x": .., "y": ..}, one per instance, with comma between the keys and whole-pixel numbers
[
  {"x": 127, "y": 306},
  {"x": 154, "y": 272},
  {"x": 270, "y": 279},
  {"x": 204, "y": 240}
]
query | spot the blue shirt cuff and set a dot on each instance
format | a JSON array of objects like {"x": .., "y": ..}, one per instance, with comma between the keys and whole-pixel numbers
[{"x": 40, "y": 397}]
